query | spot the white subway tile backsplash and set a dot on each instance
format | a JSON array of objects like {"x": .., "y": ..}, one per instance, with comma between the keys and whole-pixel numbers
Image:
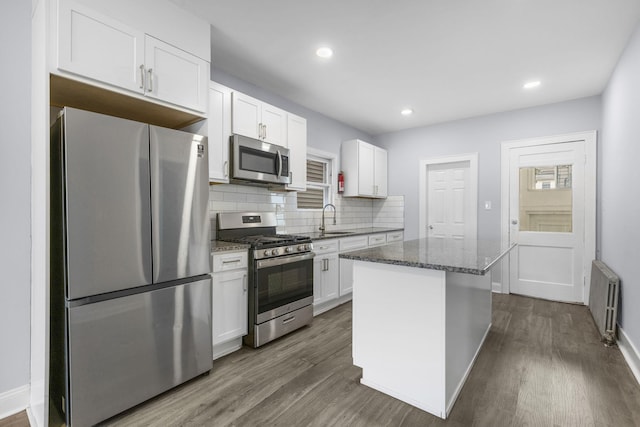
[{"x": 351, "y": 212}]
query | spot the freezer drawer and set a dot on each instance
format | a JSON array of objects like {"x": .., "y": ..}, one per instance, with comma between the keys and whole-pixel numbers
[{"x": 126, "y": 350}]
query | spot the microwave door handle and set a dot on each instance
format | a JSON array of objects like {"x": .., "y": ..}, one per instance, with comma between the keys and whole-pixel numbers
[{"x": 279, "y": 163}]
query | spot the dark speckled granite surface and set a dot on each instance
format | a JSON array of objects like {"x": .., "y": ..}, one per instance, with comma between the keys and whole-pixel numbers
[
  {"x": 457, "y": 256},
  {"x": 220, "y": 246}
]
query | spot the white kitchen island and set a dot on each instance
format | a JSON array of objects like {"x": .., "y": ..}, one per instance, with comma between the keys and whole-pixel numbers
[{"x": 421, "y": 312}]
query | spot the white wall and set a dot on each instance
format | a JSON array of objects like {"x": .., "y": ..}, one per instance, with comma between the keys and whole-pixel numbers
[
  {"x": 620, "y": 196},
  {"x": 15, "y": 184},
  {"x": 483, "y": 135}
]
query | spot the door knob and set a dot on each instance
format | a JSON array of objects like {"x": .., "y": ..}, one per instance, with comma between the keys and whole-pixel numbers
[
  {"x": 431, "y": 227},
  {"x": 514, "y": 222}
]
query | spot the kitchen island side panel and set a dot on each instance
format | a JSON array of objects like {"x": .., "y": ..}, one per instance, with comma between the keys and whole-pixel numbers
[
  {"x": 399, "y": 332},
  {"x": 468, "y": 320}
]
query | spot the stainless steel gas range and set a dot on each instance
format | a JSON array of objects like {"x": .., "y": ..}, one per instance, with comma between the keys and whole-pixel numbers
[{"x": 280, "y": 274}]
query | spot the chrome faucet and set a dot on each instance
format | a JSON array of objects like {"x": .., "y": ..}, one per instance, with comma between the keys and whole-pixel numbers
[{"x": 322, "y": 227}]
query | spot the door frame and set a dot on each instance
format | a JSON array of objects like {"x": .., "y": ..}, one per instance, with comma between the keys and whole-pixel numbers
[
  {"x": 589, "y": 138},
  {"x": 472, "y": 158}
]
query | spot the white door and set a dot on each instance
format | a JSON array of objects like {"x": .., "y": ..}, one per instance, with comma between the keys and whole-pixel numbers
[
  {"x": 229, "y": 295},
  {"x": 380, "y": 172},
  {"x": 366, "y": 162},
  {"x": 274, "y": 122},
  {"x": 547, "y": 221},
  {"x": 98, "y": 47},
  {"x": 245, "y": 115},
  {"x": 297, "y": 143},
  {"x": 449, "y": 198},
  {"x": 175, "y": 76},
  {"x": 219, "y": 125}
]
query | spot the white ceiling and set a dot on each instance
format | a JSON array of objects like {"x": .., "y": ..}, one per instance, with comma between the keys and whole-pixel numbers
[{"x": 446, "y": 59}]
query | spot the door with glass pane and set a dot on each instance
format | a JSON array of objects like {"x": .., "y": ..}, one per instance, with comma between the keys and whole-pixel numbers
[{"x": 547, "y": 220}]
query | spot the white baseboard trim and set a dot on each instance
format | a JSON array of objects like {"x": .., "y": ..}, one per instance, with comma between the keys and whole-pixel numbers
[
  {"x": 14, "y": 401},
  {"x": 630, "y": 352},
  {"x": 496, "y": 287}
]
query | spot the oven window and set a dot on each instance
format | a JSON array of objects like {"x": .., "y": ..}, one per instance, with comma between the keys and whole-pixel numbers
[
  {"x": 257, "y": 161},
  {"x": 284, "y": 284}
]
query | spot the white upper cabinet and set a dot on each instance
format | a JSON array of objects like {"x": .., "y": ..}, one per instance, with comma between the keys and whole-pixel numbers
[
  {"x": 111, "y": 53},
  {"x": 297, "y": 143},
  {"x": 219, "y": 131},
  {"x": 256, "y": 119},
  {"x": 365, "y": 169}
]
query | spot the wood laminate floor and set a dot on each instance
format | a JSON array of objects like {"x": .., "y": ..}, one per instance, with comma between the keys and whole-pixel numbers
[{"x": 542, "y": 365}]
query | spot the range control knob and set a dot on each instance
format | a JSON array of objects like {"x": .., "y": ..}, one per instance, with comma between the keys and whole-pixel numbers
[
  {"x": 302, "y": 247},
  {"x": 275, "y": 252},
  {"x": 289, "y": 249},
  {"x": 267, "y": 252}
]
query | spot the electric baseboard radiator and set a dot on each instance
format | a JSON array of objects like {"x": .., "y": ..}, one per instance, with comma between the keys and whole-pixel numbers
[{"x": 603, "y": 300}]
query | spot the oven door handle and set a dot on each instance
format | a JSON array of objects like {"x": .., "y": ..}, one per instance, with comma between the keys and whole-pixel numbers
[{"x": 273, "y": 262}]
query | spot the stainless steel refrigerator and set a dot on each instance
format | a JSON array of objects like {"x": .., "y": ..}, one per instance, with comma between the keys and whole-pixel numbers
[{"x": 130, "y": 262}]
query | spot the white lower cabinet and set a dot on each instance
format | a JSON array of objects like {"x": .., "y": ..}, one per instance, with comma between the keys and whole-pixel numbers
[
  {"x": 326, "y": 276},
  {"x": 332, "y": 276},
  {"x": 229, "y": 309}
]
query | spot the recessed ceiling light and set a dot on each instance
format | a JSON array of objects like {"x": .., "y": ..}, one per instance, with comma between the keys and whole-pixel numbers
[
  {"x": 531, "y": 84},
  {"x": 324, "y": 52},
  {"x": 406, "y": 112}
]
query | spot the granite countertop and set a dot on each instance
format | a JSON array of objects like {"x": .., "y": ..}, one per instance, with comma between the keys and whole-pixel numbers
[
  {"x": 348, "y": 232},
  {"x": 220, "y": 246},
  {"x": 454, "y": 255}
]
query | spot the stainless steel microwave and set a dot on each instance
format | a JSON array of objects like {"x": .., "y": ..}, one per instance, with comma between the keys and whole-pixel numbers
[{"x": 259, "y": 161}]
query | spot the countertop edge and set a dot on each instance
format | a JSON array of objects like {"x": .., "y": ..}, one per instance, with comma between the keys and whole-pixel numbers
[
  {"x": 441, "y": 267},
  {"x": 351, "y": 232}
]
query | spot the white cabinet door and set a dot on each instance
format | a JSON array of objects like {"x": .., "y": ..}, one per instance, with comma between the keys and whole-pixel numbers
[
  {"x": 366, "y": 158},
  {"x": 326, "y": 278},
  {"x": 245, "y": 115},
  {"x": 274, "y": 125},
  {"x": 256, "y": 119},
  {"x": 219, "y": 130},
  {"x": 100, "y": 48},
  {"x": 297, "y": 143},
  {"x": 175, "y": 76},
  {"x": 229, "y": 309},
  {"x": 332, "y": 277},
  {"x": 346, "y": 265},
  {"x": 380, "y": 172}
]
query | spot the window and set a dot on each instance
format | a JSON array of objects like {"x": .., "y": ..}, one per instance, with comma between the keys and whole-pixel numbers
[{"x": 319, "y": 181}]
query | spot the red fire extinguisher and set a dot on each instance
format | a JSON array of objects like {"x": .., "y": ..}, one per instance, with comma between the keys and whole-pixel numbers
[{"x": 340, "y": 182}]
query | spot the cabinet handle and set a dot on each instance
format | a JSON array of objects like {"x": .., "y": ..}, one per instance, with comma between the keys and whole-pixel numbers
[
  {"x": 244, "y": 283},
  {"x": 150, "y": 72},
  {"x": 142, "y": 77},
  {"x": 265, "y": 131},
  {"x": 290, "y": 319},
  {"x": 233, "y": 261},
  {"x": 226, "y": 168},
  {"x": 259, "y": 130}
]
